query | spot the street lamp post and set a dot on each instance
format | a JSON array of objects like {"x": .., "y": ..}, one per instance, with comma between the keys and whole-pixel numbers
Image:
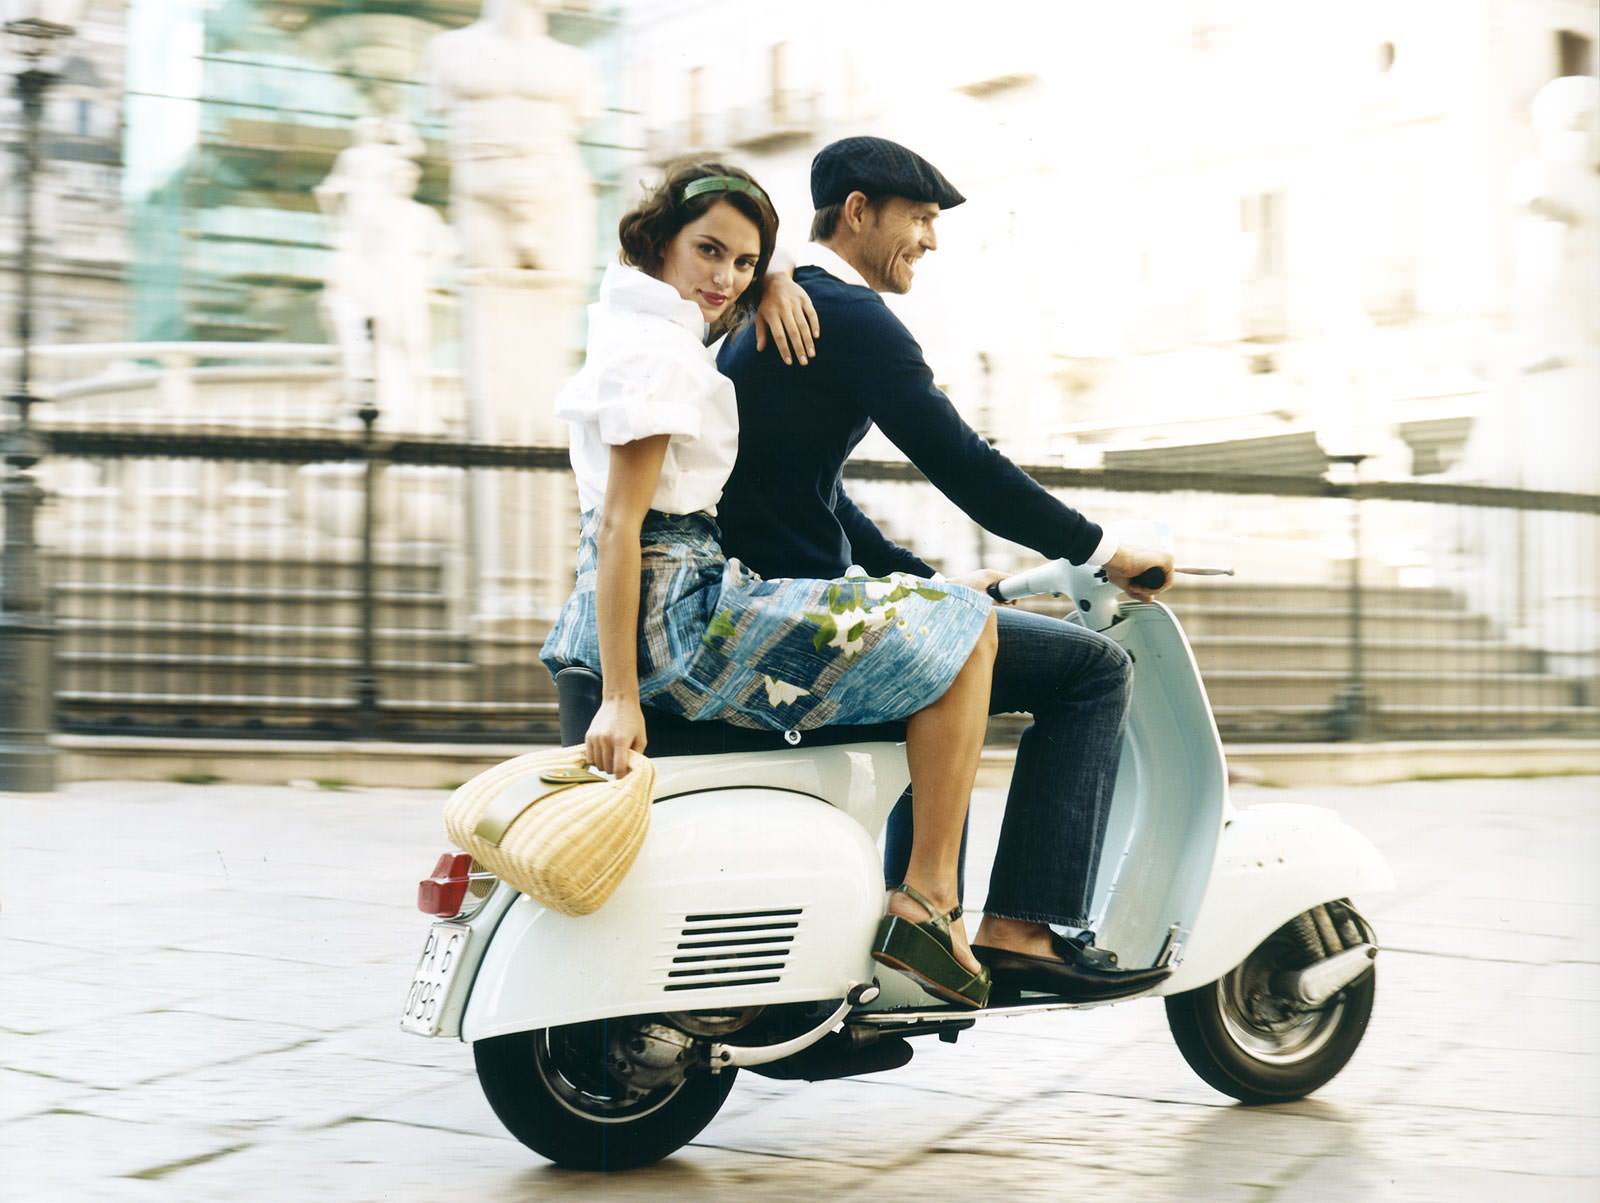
[
  {"x": 27, "y": 631},
  {"x": 1354, "y": 716}
]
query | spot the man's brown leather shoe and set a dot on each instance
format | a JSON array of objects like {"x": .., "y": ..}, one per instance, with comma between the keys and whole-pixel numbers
[{"x": 1083, "y": 974}]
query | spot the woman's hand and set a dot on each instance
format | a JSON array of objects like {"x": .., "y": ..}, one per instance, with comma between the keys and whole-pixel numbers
[
  {"x": 787, "y": 315},
  {"x": 618, "y": 726}
]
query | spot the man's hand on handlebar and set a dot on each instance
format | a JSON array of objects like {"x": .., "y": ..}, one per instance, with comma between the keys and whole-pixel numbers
[{"x": 1131, "y": 562}]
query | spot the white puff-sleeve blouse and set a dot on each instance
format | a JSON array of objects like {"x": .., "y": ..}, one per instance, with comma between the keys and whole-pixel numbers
[{"x": 647, "y": 372}]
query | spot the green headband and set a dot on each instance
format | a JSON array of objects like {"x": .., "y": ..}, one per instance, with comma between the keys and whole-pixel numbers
[{"x": 721, "y": 183}]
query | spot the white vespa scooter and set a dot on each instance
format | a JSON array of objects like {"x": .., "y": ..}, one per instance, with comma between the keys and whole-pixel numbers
[{"x": 740, "y": 937}]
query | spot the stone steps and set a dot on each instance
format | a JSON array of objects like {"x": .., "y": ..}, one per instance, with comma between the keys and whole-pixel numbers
[
  {"x": 1227, "y": 608},
  {"x": 268, "y": 603},
  {"x": 1262, "y": 622},
  {"x": 306, "y": 573},
  {"x": 233, "y": 640},
  {"x": 1267, "y": 688},
  {"x": 1217, "y": 653},
  {"x": 1205, "y": 592},
  {"x": 317, "y": 676},
  {"x": 1315, "y": 724},
  {"x": 287, "y": 715},
  {"x": 244, "y": 639},
  {"x": 1192, "y": 593},
  {"x": 1312, "y": 724}
]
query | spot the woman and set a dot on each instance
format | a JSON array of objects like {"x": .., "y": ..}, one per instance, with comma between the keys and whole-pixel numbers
[{"x": 668, "y": 621}]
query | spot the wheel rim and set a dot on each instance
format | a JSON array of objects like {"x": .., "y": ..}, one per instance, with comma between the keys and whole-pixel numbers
[
  {"x": 572, "y": 1062},
  {"x": 1265, "y": 1025}
]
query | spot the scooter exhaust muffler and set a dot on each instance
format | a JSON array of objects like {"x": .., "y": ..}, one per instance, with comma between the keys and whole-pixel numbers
[
  {"x": 1316, "y": 984},
  {"x": 720, "y": 1056}
]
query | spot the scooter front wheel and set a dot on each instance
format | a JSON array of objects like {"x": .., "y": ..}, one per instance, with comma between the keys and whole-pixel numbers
[
  {"x": 559, "y": 1091},
  {"x": 1244, "y": 1038}
]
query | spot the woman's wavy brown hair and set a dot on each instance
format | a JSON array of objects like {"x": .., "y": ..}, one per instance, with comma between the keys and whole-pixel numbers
[{"x": 647, "y": 228}]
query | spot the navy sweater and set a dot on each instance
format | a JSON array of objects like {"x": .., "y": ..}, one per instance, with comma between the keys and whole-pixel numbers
[{"x": 784, "y": 512}]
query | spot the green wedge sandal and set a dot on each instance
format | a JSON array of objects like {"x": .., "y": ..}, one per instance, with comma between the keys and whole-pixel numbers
[{"x": 924, "y": 951}]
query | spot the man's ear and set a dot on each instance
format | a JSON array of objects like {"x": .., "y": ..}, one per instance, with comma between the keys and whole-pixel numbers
[{"x": 855, "y": 211}]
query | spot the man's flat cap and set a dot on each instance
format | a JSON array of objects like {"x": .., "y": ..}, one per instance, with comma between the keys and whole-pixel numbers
[{"x": 877, "y": 167}]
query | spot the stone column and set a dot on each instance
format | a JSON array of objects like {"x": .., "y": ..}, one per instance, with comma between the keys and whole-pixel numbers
[
  {"x": 1543, "y": 429},
  {"x": 518, "y": 333},
  {"x": 516, "y": 101}
]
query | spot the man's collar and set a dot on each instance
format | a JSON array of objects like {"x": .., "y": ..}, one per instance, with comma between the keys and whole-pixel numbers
[{"x": 814, "y": 254}]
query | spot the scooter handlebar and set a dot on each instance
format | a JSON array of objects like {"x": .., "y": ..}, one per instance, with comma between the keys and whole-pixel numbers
[
  {"x": 1057, "y": 576},
  {"x": 1053, "y": 578},
  {"x": 1049, "y": 577},
  {"x": 1150, "y": 578}
]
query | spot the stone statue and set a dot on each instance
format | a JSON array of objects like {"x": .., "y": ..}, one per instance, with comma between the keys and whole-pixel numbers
[
  {"x": 1557, "y": 236},
  {"x": 1541, "y": 428},
  {"x": 522, "y": 204},
  {"x": 516, "y": 100},
  {"x": 363, "y": 168},
  {"x": 387, "y": 249}
]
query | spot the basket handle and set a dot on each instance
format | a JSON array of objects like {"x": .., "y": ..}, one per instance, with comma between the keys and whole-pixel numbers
[{"x": 510, "y": 803}]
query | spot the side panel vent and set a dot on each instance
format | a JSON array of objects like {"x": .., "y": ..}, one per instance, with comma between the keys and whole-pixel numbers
[{"x": 731, "y": 948}]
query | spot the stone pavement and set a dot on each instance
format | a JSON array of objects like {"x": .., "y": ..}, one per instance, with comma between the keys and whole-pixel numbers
[{"x": 201, "y": 986}]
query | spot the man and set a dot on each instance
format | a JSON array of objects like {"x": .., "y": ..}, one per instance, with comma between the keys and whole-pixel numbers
[{"x": 785, "y": 513}]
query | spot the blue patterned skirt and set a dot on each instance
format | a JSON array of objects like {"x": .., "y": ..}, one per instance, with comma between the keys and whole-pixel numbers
[{"x": 716, "y": 641}]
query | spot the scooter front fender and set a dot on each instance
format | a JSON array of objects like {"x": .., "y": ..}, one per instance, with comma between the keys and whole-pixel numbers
[
  {"x": 1273, "y": 862},
  {"x": 740, "y": 897}
]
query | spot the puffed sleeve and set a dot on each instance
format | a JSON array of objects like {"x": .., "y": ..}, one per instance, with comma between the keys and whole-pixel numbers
[{"x": 634, "y": 396}]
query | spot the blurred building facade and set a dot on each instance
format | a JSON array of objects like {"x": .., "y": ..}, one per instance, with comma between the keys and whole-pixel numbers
[
  {"x": 239, "y": 108},
  {"x": 1224, "y": 225},
  {"x": 81, "y": 288},
  {"x": 1205, "y": 234}
]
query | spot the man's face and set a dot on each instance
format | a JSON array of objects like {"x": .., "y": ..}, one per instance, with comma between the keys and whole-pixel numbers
[{"x": 896, "y": 233}]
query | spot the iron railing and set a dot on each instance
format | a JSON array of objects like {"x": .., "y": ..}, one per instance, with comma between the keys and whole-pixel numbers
[
  {"x": 342, "y": 581},
  {"x": 1358, "y": 609}
]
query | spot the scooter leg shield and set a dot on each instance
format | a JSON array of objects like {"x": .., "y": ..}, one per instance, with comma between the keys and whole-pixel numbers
[
  {"x": 740, "y": 897},
  {"x": 1274, "y": 861}
]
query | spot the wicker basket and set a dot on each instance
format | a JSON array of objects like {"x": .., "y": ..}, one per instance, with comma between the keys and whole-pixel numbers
[{"x": 547, "y": 825}]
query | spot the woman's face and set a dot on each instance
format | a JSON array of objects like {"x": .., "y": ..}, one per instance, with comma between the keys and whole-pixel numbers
[{"x": 712, "y": 260}]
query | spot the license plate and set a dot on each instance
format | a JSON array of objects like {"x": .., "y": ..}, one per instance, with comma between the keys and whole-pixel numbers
[{"x": 441, "y": 958}]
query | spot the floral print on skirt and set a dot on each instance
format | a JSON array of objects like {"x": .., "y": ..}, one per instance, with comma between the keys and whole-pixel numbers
[{"x": 716, "y": 641}]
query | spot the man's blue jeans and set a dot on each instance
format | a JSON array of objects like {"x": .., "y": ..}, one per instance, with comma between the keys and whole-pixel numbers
[{"x": 1075, "y": 683}]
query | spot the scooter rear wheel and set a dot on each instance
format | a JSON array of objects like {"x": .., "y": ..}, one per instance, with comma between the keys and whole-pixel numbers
[
  {"x": 552, "y": 1090},
  {"x": 1249, "y": 1043}
]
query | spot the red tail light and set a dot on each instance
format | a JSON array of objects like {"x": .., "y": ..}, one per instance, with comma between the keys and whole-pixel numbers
[{"x": 444, "y": 892}]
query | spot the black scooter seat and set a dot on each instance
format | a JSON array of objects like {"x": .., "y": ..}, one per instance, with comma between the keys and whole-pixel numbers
[{"x": 672, "y": 735}]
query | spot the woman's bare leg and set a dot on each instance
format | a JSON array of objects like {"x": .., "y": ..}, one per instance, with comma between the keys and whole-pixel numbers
[{"x": 943, "y": 742}]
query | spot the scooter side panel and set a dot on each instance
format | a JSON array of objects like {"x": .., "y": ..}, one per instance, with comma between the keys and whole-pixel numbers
[
  {"x": 739, "y": 897},
  {"x": 1171, "y": 796},
  {"x": 1275, "y": 860},
  {"x": 863, "y": 780}
]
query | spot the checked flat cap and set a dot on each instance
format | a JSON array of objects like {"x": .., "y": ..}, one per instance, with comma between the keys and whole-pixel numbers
[{"x": 877, "y": 167}]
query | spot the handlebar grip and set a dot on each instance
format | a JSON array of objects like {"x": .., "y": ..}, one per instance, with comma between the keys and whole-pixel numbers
[{"x": 1150, "y": 578}]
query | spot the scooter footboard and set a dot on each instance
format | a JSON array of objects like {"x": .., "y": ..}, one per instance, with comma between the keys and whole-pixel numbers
[
  {"x": 739, "y": 897},
  {"x": 1274, "y": 861}
]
